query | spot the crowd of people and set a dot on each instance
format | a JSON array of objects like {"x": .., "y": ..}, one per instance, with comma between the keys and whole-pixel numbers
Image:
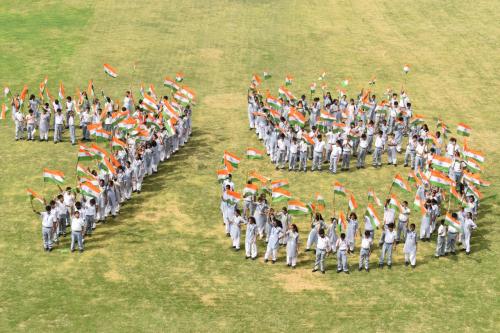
[
  {"x": 332, "y": 131},
  {"x": 140, "y": 136}
]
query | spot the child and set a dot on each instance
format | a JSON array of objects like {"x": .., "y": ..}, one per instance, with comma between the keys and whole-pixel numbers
[
  {"x": 389, "y": 245},
  {"x": 48, "y": 226},
  {"x": 90, "y": 213},
  {"x": 58, "y": 126},
  {"x": 403, "y": 221},
  {"x": 362, "y": 150},
  {"x": 319, "y": 147},
  {"x": 364, "y": 254},
  {"x": 391, "y": 150},
  {"x": 292, "y": 245},
  {"x": 332, "y": 233},
  {"x": 410, "y": 152},
  {"x": 322, "y": 248},
  {"x": 451, "y": 238},
  {"x": 30, "y": 126},
  {"x": 71, "y": 125},
  {"x": 43, "y": 126},
  {"x": 342, "y": 247},
  {"x": 251, "y": 239},
  {"x": 352, "y": 227},
  {"x": 441, "y": 240},
  {"x": 425, "y": 225},
  {"x": 335, "y": 156},
  {"x": 303, "y": 156},
  {"x": 281, "y": 153},
  {"x": 469, "y": 225},
  {"x": 292, "y": 164},
  {"x": 316, "y": 225},
  {"x": 377, "y": 153},
  {"x": 410, "y": 247},
  {"x": 77, "y": 230},
  {"x": 346, "y": 153},
  {"x": 273, "y": 244},
  {"x": 236, "y": 223}
]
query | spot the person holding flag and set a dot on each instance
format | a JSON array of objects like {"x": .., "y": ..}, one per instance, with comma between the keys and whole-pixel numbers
[{"x": 410, "y": 247}]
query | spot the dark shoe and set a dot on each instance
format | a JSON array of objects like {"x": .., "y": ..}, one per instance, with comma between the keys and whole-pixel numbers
[
  {"x": 413, "y": 266},
  {"x": 360, "y": 269},
  {"x": 246, "y": 257},
  {"x": 406, "y": 263},
  {"x": 389, "y": 266},
  {"x": 314, "y": 270},
  {"x": 273, "y": 262},
  {"x": 339, "y": 270},
  {"x": 380, "y": 265},
  {"x": 367, "y": 269},
  {"x": 322, "y": 272},
  {"x": 254, "y": 258},
  {"x": 347, "y": 272},
  {"x": 265, "y": 260}
]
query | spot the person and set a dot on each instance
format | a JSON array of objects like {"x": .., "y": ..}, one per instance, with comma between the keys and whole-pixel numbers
[
  {"x": 377, "y": 153},
  {"x": 44, "y": 125},
  {"x": 90, "y": 213},
  {"x": 322, "y": 248},
  {"x": 469, "y": 225},
  {"x": 30, "y": 126},
  {"x": 346, "y": 153},
  {"x": 77, "y": 231},
  {"x": 364, "y": 254},
  {"x": 236, "y": 223},
  {"x": 420, "y": 152},
  {"x": 335, "y": 156},
  {"x": 391, "y": 150},
  {"x": 451, "y": 238},
  {"x": 352, "y": 228},
  {"x": 362, "y": 150},
  {"x": 303, "y": 155},
  {"x": 425, "y": 225},
  {"x": 403, "y": 221},
  {"x": 19, "y": 123},
  {"x": 48, "y": 227},
  {"x": 62, "y": 215},
  {"x": 71, "y": 125},
  {"x": 410, "y": 152},
  {"x": 319, "y": 147},
  {"x": 389, "y": 245},
  {"x": 281, "y": 153},
  {"x": 273, "y": 244},
  {"x": 410, "y": 247},
  {"x": 58, "y": 126},
  {"x": 332, "y": 233},
  {"x": 316, "y": 225},
  {"x": 292, "y": 163},
  {"x": 342, "y": 245},
  {"x": 251, "y": 239},
  {"x": 441, "y": 240},
  {"x": 292, "y": 245}
]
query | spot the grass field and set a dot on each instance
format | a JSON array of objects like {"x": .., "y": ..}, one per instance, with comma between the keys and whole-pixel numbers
[{"x": 165, "y": 264}]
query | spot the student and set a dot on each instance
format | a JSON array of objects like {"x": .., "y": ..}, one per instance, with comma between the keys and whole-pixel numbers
[
  {"x": 389, "y": 245},
  {"x": 292, "y": 245},
  {"x": 303, "y": 155},
  {"x": 19, "y": 122},
  {"x": 352, "y": 228},
  {"x": 451, "y": 238},
  {"x": 410, "y": 152},
  {"x": 377, "y": 153},
  {"x": 420, "y": 152},
  {"x": 346, "y": 153},
  {"x": 62, "y": 215},
  {"x": 319, "y": 147},
  {"x": 281, "y": 152},
  {"x": 292, "y": 164},
  {"x": 48, "y": 227},
  {"x": 391, "y": 150},
  {"x": 235, "y": 232},
  {"x": 335, "y": 156},
  {"x": 251, "y": 239},
  {"x": 362, "y": 150},
  {"x": 58, "y": 126},
  {"x": 332, "y": 233},
  {"x": 342, "y": 245},
  {"x": 403, "y": 221},
  {"x": 441, "y": 240},
  {"x": 286, "y": 220},
  {"x": 364, "y": 254},
  {"x": 71, "y": 125},
  {"x": 322, "y": 248},
  {"x": 30, "y": 126},
  {"x": 90, "y": 214},
  {"x": 425, "y": 225},
  {"x": 410, "y": 247},
  {"x": 273, "y": 244},
  {"x": 469, "y": 225},
  {"x": 44, "y": 125},
  {"x": 260, "y": 215},
  {"x": 316, "y": 225},
  {"x": 77, "y": 231}
]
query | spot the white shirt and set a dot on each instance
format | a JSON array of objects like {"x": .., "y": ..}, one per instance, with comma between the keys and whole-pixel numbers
[
  {"x": 69, "y": 200},
  {"x": 341, "y": 244},
  {"x": 303, "y": 146},
  {"x": 379, "y": 142},
  {"x": 442, "y": 231},
  {"x": 404, "y": 214},
  {"x": 77, "y": 224},
  {"x": 58, "y": 119},
  {"x": 293, "y": 148},
  {"x": 336, "y": 151},
  {"x": 420, "y": 150},
  {"x": 71, "y": 121},
  {"x": 70, "y": 106},
  {"x": 389, "y": 215},
  {"x": 281, "y": 144},
  {"x": 90, "y": 210},
  {"x": 366, "y": 243},
  {"x": 319, "y": 146},
  {"x": 390, "y": 236},
  {"x": 47, "y": 220},
  {"x": 323, "y": 243}
]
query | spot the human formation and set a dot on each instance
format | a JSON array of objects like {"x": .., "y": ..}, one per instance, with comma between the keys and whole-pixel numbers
[
  {"x": 119, "y": 146},
  {"x": 445, "y": 175}
]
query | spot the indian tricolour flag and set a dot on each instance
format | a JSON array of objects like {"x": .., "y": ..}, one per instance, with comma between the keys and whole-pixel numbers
[
  {"x": 255, "y": 176},
  {"x": 150, "y": 103},
  {"x": 98, "y": 152},
  {"x": 53, "y": 176},
  {"x": 170, "y": 126},
  {"x": 127, "y": 124},
  {"x": 296, "y": 118},
  {"x": 33, "y": 195},
  {"x": 474, "y": 154},
  {"x": 320, "y": 201},
  {"x": 106, "y": 166},
  {"x": 118, "y": 117},
  {"x": 231, "y": 158},
  {"x": 267, "y": 75},
  {"x": 84, "y": 154},
  {"x": 371, "y": 214},
  {"x": 4, "y": 111},
  {"x": 339, "y": 189},
  {"x": 342, "y": 222},
  {"x": 441, "y": 163},
  {"x": 296, "y": 207},
  {"x": 90, "y": 190},
  {"x": 256, "y": 80},
  {"x": 307, "y": 139},
  {"x": 186, "y": 91},
  {"x": 338, "y": 127},
  {"x": 280, "y": 183},
  {"x": 181, "y": 98},
  {"x": 279, "y": 195},
  {"x": 475, "y": 179},
  {"x": 273, "y": 101},
  {"x": 117, "y": 144},
  {"x": 232, "y": 197},
  {"x": 373, "y": 196},
  {"x": 255, "y": 154},
  {"x": 110, "y": 71},
  {"x": 179, "y": 77},
  {"x": 312, "y": 87},
  {"x": 344, "y": 83},
  {"x": 463, "y": 129},
  {"x": 169, "y": 110},
  {"x": 287, "y": 93},
  {"x": 472, "y": 166},
  {"x": 417, "y": 120},
  {"x": 288, "y": 80},
  {"x": 401, "y": 183},
  {"x": 352, "y": 202},
  {"x": 168, "y": 82},
  {"x": 471, "y": 189},
  {"x": 439, "y": 179},
  {"x": 457, "y": 196},
  {"x": 394, "y": 203},
  {"x": 250, "y": 189},
  {"x": 414, "y": 179},
  {"x": 222, "y": 175},
  {"x": 326, "y": 116},
  {"x": 81, "y": 171},
  {"x": 452, "y": 223},
  {"x": 102, "y": 135}
]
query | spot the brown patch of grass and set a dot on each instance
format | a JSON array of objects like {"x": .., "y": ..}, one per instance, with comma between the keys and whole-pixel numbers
[
  {"x": 225, "y": 101},
  {"x": 211, "y": 54}
]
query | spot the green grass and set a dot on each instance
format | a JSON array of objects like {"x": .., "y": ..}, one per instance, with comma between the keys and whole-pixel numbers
[{"x": 165, "y": 264}]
